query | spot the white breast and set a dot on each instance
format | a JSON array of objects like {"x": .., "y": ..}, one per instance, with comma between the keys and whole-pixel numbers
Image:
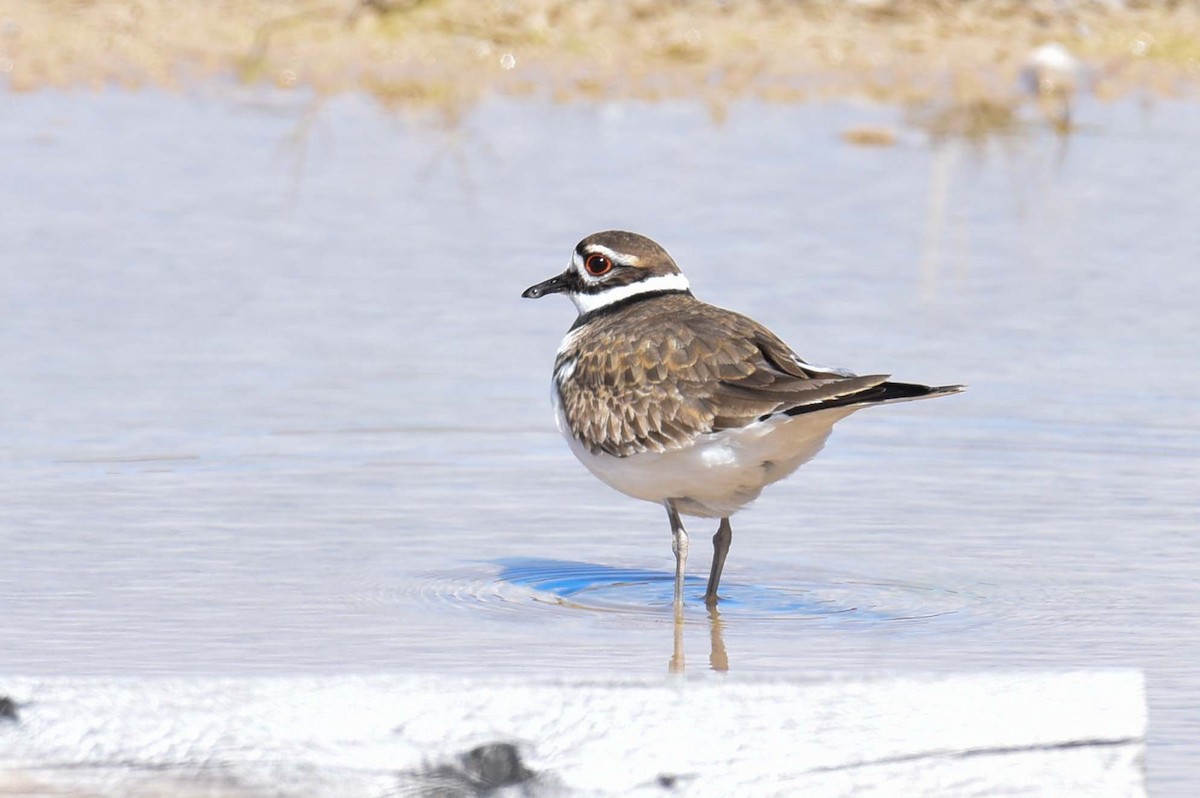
[{"x": 720, "y": 472}]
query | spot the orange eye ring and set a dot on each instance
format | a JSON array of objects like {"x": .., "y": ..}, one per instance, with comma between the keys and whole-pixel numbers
[{"x": 597, "y": 265}]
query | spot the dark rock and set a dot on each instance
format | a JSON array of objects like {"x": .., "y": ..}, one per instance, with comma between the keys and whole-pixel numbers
[
  {"x": 495, "y": 765},
  {"x": 478, "y": 772},
  {"x": 8, "y": 708},
  {"x": 674, "y": 782}
]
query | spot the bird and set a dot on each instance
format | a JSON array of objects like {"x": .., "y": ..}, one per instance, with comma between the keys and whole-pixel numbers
[
  {"x": 671, "y": 400},
  {"x": 1052, "y": 75}
]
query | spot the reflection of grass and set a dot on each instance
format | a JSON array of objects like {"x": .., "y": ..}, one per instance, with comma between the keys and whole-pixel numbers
[
  {"x": 976, "y": 119},
  {"x": 870, "y": 136},
  {"x": 431, "y": 53}
]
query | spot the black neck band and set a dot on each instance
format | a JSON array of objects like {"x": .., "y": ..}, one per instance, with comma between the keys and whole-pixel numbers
[{"x": 621, "y": 304}]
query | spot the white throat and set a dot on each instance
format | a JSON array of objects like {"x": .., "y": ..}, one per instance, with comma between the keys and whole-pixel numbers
[{"x": 586, "y": 303}]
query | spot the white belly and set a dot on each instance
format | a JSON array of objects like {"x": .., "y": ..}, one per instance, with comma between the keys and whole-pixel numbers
[{"x": 721, "y": 472}]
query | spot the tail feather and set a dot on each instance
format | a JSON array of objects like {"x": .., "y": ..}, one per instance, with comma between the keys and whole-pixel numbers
[{"x": 880, "y": 394}]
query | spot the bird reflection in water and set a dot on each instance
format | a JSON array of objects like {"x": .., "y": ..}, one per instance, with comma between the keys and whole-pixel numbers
[{"x": 718, "y": 658}]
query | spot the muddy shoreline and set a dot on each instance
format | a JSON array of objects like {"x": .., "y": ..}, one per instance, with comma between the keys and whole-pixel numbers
[{"x": 448, "y": 53}]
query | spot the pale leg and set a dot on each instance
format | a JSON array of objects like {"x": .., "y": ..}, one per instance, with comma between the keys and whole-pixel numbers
[
  {"x": 679, "y": 545},
  {"x": 721, "y": 542}
]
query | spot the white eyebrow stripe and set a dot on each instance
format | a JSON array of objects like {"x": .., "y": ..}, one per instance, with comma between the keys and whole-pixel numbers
[
  {"x": 586, "y": 303},
  {"x": 599, "y": 249}
]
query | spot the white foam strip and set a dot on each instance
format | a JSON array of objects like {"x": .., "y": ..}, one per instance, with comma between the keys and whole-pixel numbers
[
  {"x": 1026, "y": 733},
  {"x": 663, "y": 282}
]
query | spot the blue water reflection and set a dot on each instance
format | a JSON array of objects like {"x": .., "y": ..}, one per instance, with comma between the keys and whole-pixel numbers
[{"x": 595, "y": 586}]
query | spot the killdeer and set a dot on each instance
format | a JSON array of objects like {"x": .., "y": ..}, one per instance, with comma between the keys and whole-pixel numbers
[{"x": 675, "y": 401}]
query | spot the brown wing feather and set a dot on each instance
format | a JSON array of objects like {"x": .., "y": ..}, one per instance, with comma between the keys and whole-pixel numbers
[{"x": 692, "y": 369}]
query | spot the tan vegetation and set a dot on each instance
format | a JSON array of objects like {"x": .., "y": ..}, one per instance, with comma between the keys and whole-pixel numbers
[{"x": 447, "y": 53}]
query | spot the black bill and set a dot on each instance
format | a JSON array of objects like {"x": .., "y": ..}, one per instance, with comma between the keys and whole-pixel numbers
[{"x": 555, "y": 285}]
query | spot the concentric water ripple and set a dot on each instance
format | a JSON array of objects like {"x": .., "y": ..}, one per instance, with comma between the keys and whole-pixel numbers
[{"x": 529, "y": 584}]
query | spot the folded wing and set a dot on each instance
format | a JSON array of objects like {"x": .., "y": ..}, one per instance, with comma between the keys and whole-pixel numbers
[{"x": 704, "y": 371}]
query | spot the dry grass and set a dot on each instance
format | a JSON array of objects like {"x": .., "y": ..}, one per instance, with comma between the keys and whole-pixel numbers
[{"x": 446, "y": 53}]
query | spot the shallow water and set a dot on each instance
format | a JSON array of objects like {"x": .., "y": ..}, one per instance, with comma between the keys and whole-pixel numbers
[{"x": 271, "y": 402}]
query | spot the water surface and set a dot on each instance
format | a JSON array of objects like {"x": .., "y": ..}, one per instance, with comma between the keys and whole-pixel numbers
[{"x": 271, "y": 402}]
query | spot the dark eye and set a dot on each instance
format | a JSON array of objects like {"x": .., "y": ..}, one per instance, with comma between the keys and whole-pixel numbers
[{"x": 597, "y": 265}]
